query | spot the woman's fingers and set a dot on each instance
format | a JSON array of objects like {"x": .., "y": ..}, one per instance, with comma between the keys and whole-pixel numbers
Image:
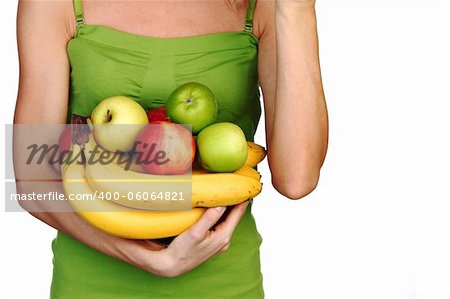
[
  {"x": 224, "y": 231},
  {"x": 199, "y": 243},
  {"x": 232, "y": 220},
  {"x": 200, "y": 229}
]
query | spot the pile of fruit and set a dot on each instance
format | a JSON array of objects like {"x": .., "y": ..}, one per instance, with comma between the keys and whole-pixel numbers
[{"x": 221, "y": 160}]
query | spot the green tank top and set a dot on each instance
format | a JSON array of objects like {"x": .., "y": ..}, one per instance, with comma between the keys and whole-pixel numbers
[{"x": 107, "y": 62}]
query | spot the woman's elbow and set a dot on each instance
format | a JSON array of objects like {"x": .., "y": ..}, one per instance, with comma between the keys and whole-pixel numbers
[{"x": 296, "y": 187}]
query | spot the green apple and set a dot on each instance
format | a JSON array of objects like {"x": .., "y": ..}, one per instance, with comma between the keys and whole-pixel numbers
[
  {"x": 117, "y": 121},
  {"x": 192, "y": 103},
  {"x": 222, "y": 147}
]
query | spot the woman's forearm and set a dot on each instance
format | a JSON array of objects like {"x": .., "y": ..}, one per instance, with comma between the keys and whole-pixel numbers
[
  {"x": 73, "y": 225},
  {"x": 298, "y": 141}
]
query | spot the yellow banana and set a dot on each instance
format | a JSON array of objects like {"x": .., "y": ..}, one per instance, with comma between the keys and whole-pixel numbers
[
  {"x": 208, "y": 190},
  {"x": 244, "y": 170},
  {"x": 223, "y": 189},
  {"x": 256, "y": 154},
  {"x": 119, "y": 220},
  {"x": 249, "y": 172}
]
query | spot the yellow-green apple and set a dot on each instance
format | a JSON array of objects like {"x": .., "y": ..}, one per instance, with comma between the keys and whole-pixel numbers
[
  {"x": 157, "y": 114},
  {"x": 192, "y": 103},
  {"x": 117, "y": 121},
  {"x": 222, "y": 147},
  {"x": 163, "y": 147}
]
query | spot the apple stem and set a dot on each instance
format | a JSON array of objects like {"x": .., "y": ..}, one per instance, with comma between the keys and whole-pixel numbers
[{"x": 109, "y": 115}]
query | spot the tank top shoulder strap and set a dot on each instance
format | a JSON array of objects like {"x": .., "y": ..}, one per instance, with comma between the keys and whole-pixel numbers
[
  {"x": 78, "y": 8},
  {"x": 249, "y": 18}
]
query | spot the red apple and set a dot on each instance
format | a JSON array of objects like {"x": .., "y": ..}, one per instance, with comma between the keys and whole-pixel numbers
[
  {"x": 163, "y": 147},
  {"x": 157, "y": 114}
]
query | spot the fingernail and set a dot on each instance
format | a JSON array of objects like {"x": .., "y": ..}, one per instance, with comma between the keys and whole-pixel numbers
[{"x": 219, "y": 209}]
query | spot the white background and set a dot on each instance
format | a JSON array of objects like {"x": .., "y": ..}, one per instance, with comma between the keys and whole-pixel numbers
[{"x": 377, "y": 225}]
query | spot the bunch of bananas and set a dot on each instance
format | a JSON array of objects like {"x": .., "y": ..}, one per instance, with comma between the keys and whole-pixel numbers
[{"x": 133, "y": 219}]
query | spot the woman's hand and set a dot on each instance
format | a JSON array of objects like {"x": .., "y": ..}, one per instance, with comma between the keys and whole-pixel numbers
[{"x": 189, "y": 249}]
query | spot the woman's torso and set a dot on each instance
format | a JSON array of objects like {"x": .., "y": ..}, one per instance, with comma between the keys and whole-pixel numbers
[{"x": 107, "y": 62}]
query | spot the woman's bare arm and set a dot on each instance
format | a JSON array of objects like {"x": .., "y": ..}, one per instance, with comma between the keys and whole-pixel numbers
[
  {"x": 296, "y": 114},
  {"x": 43, "y": 34},
  {"x": 43, "y": 30}
]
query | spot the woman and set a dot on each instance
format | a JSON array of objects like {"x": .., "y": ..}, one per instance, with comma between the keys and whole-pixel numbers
[{"x": 94, "y": 49}]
